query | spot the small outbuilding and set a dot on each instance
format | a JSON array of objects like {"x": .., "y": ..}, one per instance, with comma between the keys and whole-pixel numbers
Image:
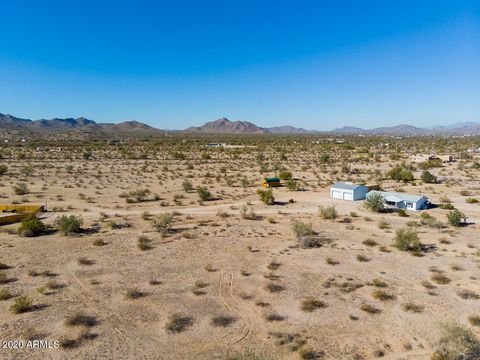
[
  {"x": 397, "y": 200},
  {"x": 271, "y": 182},
  {"x": 350, "y": 192}
]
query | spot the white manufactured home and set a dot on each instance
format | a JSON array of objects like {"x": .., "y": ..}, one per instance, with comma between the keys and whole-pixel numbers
[
  {"x": 397, "y": 200},
  {"x": 350, "y": 192}
]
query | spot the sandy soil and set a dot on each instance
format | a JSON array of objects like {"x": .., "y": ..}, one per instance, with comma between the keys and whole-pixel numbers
[{"x": 213, "y": 262}]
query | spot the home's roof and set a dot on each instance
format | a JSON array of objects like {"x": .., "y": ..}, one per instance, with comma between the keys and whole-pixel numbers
[
  {"x": 345, "y": 186},
  {"x": 272, "y": 179},
  {"x": 396, "y": 196}
]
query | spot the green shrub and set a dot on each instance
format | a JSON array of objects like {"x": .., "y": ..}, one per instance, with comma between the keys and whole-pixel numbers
[
  {"x": 457, "y": 343},
  {"x": 178, "y": 323},
  {"x": 204, "y": 194},
  {"x": 407, "y": 240},
  {"x": 375, "y": 202},
  {"x": 187, "y": 186},
  {"x": 301, "y": 229},
  {"x": 455, "y": 217},
  {"x": 328, "y": 212},
  {"x": 31, "y": 226},
  {"x": 69, "y": 225},
  {"x": 3, "y": 169},
  {"x": 428, "y": 177},
  {"x": 266, "y": 196},
  {"x": 20, "y": 189},
  {"x": 22, "y": 304},
  {"x": 163, "y": 223},
  {"x": 285, "y": 175}
]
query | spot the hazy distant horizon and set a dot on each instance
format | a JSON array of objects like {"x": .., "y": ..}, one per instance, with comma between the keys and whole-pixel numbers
[{"x": 315, "y": 65}]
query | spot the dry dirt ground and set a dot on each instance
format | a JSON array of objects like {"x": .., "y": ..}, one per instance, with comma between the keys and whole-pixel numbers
[{"x": 215, "y": 263}]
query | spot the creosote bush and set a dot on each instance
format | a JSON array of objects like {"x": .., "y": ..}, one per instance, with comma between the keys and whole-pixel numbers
[
  {"x": 266, "y": 196},
  {"x": 375, "y": 202},
  {"x": 163, "y": 223},
  {"x": 328, "y": 212},
  {"x": 301, "y": 229},
  {"x": 407, "y": 240},
  {"x": 69, "y": 225},
  {"x": 22, "y": 304},
  {"x": 31, "y": 226}
]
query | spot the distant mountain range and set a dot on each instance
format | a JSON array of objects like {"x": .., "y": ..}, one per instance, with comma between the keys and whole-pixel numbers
[
  {"x": 10, "y": 122},
  {"x": 220, "y": 126},
  {"x": 225, "y": 126}
]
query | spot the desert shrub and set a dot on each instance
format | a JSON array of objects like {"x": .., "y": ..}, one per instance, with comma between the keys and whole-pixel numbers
[
  {"x": 69, "y": 225},
  {"x": 399, "y": 173},
  {"x": 187, "y": 186},
  {"x": 379, "y": 283},
  {"x": 274, "y": 288},
  {"x": 5, "y": 294},
  {"x": 3, "y": 278},
  {"x": 369, "y": 242},
  {"x": 80, "y": 319},
  {"x": 412, "y": 307},
  {"x": 31, "y": 226},
  {"x": 99, "y": 242},
  {"x": 428, "y": 177},
  {"x": 455, "y": 217},
  {"x": 3, "y": 169},
  {"x": 249, "y": 355},
  {"x": 138, "y": 195},
  {"x": 402, "y": 213},
  {"x": 247, "y": 213},
  {"x": 474, "y": 320},
  {"x": 362, "y": 258},
  {"x": 266, "y": 196},
  {"x": 369, "y": 309},
  {"x": 406, "y": 240},
  {"x": 471, "y": 200},
  {"x": 468, "y": 295},
  {"x": 375, "y": 202},
  {"x": 285, "y": 175},
  {"x": 163, "y": 223},
  {"x": 291, "y": 185},
  {"x": 134, "y": 293},
  {"x": 22, "y": 304},
  {"x": 310, "y": 304},
  {"x": 223, "y": 320},
  {"x": 457, "y": 343},
  {"x": 440, "y": 278},
  {"x": 328, "y": 212},
  {"x": 143, "y": 243},
  {"x": 382, "y": 295},
  {"x": 178, "y": 323},
  {"x": 204, "y": 194},
  {"x": 446, "y": 206},
  {"x": 20, "y": 189},
  {"x": 301, "y": 229}
]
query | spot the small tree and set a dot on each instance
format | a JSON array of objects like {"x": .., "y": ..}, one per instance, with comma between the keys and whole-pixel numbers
[
  {"x": 163, "y": 222},
  {"x": 285, "y": 175},
  {"x": 291, "y": 185},
  {"x": 204, "y": 194},
  {"x": 139, "y": 195},
  {"x": 187, "y": 186},
  {"x": 69, "y": 225},
  {"x": 266, "y": 196},
  {"x": 3, "y": 169},
  {"x": 407, "y": 240},
  {"x": 455, "y": 217},
  {"x": 375, "y": 202},
  {"x": 428, "y": 177},
  {"x": 31, "y": 226}
]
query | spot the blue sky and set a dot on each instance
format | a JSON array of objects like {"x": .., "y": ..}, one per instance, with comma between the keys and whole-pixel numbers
[{"x": 315, "y": 64}]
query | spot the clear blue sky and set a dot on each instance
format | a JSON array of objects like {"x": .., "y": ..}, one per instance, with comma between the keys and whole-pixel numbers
[{"x": 316, "y": 64}]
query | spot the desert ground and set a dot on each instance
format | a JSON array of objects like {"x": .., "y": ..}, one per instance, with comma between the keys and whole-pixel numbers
[{"x": 164, "y": 274}]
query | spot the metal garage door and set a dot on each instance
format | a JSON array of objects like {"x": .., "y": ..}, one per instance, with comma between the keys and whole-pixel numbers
[
  {"x": 336, "y": 194},
  {"x": 348, "y": 196}
]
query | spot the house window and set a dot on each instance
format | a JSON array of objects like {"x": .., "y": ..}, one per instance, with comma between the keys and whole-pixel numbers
[
  {"x": 391, "y": 203},
  {"x": 409, "y": 205}
]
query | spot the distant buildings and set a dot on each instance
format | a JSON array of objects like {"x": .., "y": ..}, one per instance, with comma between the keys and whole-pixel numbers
[
  {"x": 350, "y": 192},
  {"x": 424, "y": 158}
]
